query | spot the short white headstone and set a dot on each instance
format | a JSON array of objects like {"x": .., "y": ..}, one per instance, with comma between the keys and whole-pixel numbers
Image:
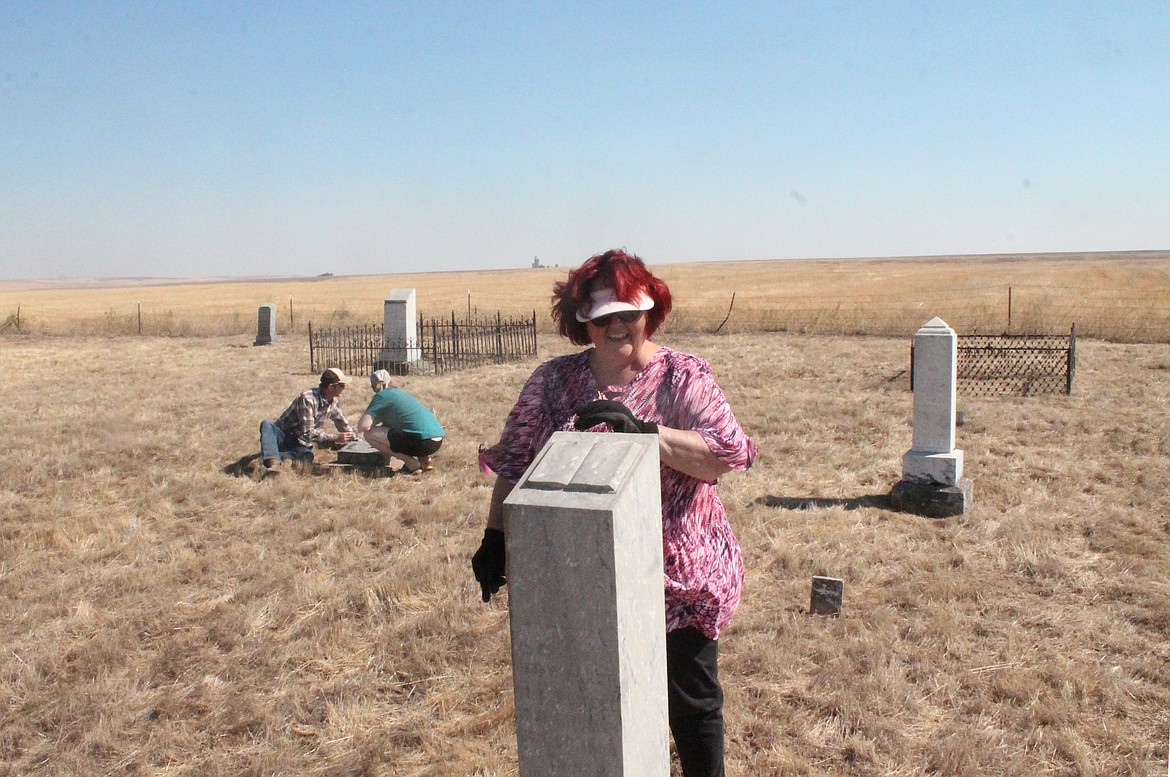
[{"x": 588, "y": 618}]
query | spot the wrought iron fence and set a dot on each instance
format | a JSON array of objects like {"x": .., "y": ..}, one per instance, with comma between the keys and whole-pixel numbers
[
  {"x": 1014, "y": 364},
  {"x": 454, "y": 345},
  {"x": 441, "y": 346}
]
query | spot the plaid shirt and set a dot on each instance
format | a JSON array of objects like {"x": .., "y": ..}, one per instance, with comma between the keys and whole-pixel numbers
[
  {"x": 306, "y": 416},
  {"x": 702, "y": 560}
]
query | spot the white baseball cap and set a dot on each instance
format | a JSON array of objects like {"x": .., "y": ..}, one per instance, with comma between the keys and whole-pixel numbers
[{"x": 380, "y": 376}]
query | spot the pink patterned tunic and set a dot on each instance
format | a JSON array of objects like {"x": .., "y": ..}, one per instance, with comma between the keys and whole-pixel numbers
[{"x": 703, "y": 562}]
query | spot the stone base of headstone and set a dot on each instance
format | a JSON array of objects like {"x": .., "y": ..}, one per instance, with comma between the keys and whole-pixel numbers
[
  {"x": 929, "y": 499},
  {"x": 399, "y": 367},
  {"x": 933, "y": 467},
  {"x": 361, "y": 454}
]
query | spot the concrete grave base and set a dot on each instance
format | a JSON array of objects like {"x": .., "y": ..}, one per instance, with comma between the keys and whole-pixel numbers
[
  {"x": 929, "y": 499},
  {"x": 359, "y": 454}
]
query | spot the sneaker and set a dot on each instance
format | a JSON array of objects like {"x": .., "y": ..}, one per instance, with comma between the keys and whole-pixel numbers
[
  {"x": 424, "y": 464},
  {"x": 273, "y": 467},
  {"x": 410, "y": 465}
]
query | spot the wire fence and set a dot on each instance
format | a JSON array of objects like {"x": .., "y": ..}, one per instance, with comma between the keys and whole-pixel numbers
[
  {"x": 1122, "y": 315},
  {"x": 441, "y": 346}
]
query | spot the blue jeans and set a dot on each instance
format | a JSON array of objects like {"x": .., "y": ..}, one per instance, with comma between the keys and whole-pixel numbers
[{"x": 275, "y": 443}]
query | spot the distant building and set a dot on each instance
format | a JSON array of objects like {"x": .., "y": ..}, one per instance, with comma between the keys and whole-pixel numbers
[{"x": 536, "y": 265}]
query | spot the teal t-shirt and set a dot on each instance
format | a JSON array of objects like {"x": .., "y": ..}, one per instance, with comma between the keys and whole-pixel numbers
[{"x": 396, "y": 409}]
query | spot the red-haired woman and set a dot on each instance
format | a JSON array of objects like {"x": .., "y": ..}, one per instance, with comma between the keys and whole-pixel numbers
[{"x": 628, "y": 383}]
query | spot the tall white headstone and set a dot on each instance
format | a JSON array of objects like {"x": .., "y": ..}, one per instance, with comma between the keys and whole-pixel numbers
[
  {"x": 932, "y": 455},
  {"x": 399, "y": 330},
  {"x": 932, "y": 470},
  {"x": 588, "y": 619}
]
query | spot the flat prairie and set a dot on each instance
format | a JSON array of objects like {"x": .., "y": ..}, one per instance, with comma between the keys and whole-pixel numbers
[
  {"x": 1120, "y": 296},
  {"x": 164, "y": 610}
]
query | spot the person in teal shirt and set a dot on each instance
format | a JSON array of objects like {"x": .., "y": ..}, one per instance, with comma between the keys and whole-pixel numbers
[{"x": 398, "y": 425}]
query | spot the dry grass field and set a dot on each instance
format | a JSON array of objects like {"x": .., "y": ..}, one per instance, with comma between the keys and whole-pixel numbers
[
  {"x": 163, "y": 611},
  {"x": 1123, "y": 297}
]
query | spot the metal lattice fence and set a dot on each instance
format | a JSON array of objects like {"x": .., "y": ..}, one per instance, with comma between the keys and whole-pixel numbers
[
  {"x": 1016, "y": 364},
  {"x": 441, "y": 346}
]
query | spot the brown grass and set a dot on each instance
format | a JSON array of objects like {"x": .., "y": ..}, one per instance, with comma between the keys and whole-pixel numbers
[
  {"x": 163, "y": 612},
  {"x": 1115, "y": 296}
]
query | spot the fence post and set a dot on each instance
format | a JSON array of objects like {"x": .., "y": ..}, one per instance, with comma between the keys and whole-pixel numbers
[
  {"x": 1009, "y": 323},
  {"x": 312, "y": 364},
  {"x": 499, "y": 338},
  {"x": 1071, "y": 370},
  {"x": 455, "y": 341}
]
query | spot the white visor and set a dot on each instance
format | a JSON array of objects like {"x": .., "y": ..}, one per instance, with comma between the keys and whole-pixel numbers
[{"x": 603, "y": 302}]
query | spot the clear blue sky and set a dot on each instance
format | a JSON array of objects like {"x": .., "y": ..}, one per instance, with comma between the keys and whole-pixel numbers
[{"x": 296, "y": 138}]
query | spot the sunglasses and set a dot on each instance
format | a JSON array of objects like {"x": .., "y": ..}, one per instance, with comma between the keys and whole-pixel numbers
[{"x": 625, "y": 316}]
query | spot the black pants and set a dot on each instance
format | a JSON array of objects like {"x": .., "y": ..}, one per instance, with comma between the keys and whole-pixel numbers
[
  {"x": 695, "y": 702},
  {"x": 411, "y": 444}
]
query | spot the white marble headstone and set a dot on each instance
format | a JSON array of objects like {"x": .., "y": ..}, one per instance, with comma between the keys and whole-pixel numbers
[
  {"x": 399, "y": 328},
  {"x": 932, "y": 455},
  {"x": 587, "y": 611}
]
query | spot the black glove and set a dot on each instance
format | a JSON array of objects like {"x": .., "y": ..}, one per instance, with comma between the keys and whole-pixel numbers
[
  {"x": 489, "y": 563},
  {"x": 615, "y": 415}
]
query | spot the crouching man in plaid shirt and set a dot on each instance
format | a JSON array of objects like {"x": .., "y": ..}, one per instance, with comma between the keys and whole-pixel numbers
[{"x": 291, "y": 436}]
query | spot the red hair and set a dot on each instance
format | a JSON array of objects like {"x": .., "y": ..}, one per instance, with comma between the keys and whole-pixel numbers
[{"x": 625, "y": 273}]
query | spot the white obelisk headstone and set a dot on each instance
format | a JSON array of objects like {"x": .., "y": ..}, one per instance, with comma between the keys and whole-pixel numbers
[
  {"x": 588, "y": 620},
  {"x": 932, "y": 470},
  {"x": 932, "y": 455}
]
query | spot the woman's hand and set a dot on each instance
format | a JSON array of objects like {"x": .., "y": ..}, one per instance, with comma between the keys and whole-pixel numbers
[
  {"x": 490, "y": 562},
  {"x": 613, "y": 414}
]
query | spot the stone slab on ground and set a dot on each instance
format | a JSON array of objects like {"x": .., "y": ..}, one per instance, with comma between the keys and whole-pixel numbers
[{"x": 360, "y": 453}]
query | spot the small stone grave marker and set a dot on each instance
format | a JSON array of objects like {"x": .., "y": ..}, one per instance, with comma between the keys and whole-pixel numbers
[{"x": 827, "y": 595}]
